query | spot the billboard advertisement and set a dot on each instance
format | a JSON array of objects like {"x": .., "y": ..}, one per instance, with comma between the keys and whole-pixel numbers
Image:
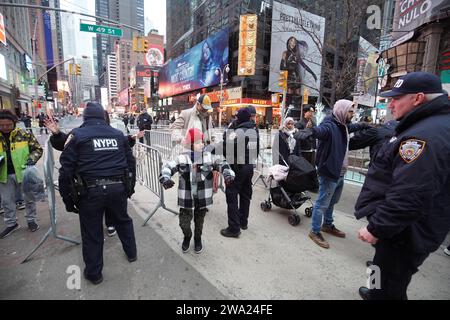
[
  {"x": 196, "y": 68},
  {"x": 409, "y": 15},
  {"x": 142, "y": 74},
  {"x": 154, "y": 56},
  {"x": 296, "y": 39},
  {"x": 367, "y": 74},
  {"x": 247, "y": 45}
]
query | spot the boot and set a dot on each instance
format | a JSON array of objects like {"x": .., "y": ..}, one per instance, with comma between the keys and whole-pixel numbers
[
  {"x": 198, "y": 247},
  {"x": 186, "y": 244}
]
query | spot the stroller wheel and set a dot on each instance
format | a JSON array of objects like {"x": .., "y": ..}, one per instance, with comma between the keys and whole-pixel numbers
[
  {"x": 265, "y": 206},
  {"x": 294, "y": 220},
  {"x": 308, "y": 212}
]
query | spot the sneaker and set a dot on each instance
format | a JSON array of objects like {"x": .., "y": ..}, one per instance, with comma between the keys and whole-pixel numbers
[
  {"x": 186, "y": 244},
  {"x": 8, "y": 231},
  {"x": 244, "y": 226},
  {"x": 20, "y": 205},
  {"x": 319, "y": 240},
  {"x": 111, "y": 231},
  {"x": 447, "y": 251},
  {"x": 198, "y": 247},
  {"x": 227, "y": 233},
  {"x": 94, "y": 281},
  {"x": 33, "y": 226},
  {"x": 333, "y": 231}
]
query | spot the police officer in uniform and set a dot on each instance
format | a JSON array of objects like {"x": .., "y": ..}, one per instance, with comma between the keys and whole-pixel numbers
[
  {"x": 406, "y": 196},
  {"x": 101, "y": 158},
  {"x": 241, "y": 149}
]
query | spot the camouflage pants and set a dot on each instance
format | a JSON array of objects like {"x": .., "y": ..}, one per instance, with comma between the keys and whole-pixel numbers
[{"x": 186, "y": 216}]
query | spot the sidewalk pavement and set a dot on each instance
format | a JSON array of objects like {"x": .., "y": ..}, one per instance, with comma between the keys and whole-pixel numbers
[
  {"x": 273, "y": 260},
  {"x": 270, "y": 260}
]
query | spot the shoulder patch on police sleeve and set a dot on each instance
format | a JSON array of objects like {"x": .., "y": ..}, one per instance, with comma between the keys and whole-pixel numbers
[
  {"x": 411, "y": 149},
  {"x": 68, "y": 140}
]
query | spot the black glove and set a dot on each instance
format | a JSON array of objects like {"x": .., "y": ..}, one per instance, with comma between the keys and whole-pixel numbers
[
  {"x": 229, "y": 181},
  {"x": 70, "y": 207},
  {"x": 167, "y": 184}
]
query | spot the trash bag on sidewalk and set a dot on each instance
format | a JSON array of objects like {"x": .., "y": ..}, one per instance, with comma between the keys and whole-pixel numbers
[{"x": 33, "y": 184}]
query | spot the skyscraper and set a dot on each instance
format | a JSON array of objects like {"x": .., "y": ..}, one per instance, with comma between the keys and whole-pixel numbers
[{"x": 126, "y": 12}]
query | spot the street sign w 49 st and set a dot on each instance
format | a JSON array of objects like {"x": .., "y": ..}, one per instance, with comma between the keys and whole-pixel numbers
[{"x": 101, "y": 29}]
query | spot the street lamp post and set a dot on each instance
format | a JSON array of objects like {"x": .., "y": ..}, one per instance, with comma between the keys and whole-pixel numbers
[{"x": 221, "y": 73}]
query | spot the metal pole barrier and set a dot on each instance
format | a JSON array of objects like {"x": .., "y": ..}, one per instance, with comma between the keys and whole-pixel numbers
[
  {"x": 148, "y": 169},
  {"x": 49, "y": 165}
]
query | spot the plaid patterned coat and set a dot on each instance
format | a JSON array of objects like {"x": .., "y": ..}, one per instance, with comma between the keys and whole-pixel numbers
[{"x": 196, "y": 178}]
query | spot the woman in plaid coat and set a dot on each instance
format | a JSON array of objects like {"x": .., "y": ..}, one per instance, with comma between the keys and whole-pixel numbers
[{"x": 195, "y": 188}]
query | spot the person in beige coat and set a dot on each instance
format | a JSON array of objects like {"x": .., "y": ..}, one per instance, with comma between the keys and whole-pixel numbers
[{"x": 197, "y": 117}]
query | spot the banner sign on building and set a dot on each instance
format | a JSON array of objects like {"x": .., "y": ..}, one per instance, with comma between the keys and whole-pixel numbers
[
  {"x": 247, "y": 45},
  {"x": 196, "y": 68},
  {"x": 154, "y": 56},
  {"x": 295, "y": 47},
  {"x": 409, "y": 15}
]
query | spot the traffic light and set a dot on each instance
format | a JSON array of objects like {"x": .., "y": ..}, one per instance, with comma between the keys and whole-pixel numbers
[
  {"x": 78, "y": 70},
  {"x": 71, "y": 69},
  {"x": 45, "y": 84},
  {"x": 145, "y": 45},
  {"x": 136, "y": 41},
  {"x": 283, "y": 80}
]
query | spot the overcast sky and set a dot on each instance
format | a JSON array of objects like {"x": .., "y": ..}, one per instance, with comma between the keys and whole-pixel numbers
[{"x": 155, "y": 18}]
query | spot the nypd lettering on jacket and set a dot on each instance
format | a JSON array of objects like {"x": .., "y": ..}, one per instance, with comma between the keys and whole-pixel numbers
[{"x": 105, "y": 144}]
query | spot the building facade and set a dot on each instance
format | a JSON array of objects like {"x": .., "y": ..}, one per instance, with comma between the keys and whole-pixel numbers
[
  {"x": 127, "y": 12},
  {"x": 111, "y": 67}
]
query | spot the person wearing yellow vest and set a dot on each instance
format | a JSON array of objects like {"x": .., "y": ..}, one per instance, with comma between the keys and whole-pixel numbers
[{"x": 18, "y": 149}]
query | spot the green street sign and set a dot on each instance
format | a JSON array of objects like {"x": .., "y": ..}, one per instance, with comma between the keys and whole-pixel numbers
[{"x": 101, "y": 29}]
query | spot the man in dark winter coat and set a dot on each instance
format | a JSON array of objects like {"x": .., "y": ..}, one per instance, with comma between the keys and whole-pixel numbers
[
  {"x": 241, "y": 148},
  {"x": 406, "y": 196}
]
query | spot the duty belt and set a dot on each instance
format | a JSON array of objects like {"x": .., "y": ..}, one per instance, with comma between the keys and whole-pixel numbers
[{"x": 92, "y": 183}]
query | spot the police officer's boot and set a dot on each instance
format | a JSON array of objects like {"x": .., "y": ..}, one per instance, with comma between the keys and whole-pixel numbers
[
  {"x": 198, "y": 247},
  {"x": 186, "y": 244}
]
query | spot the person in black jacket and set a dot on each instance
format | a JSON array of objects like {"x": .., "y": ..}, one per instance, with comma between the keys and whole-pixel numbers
[
  {"x": 373, "y": 137},
  {"x": 307, "y": 146},
  {"x": 241, "y": 148},
  {"x": 144, "y": 122},
  {"x": 26, "y": 119},
  {"x": 58, "y": 140},
  {"x": 405, "y": 196},
  {"x": 101, "y": 156}
]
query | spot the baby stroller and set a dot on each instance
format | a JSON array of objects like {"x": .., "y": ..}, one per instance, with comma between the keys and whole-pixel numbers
[{"x": 290, "y": 190}]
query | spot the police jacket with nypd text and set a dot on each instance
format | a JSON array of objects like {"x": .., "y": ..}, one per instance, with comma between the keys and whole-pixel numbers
[
  {"x": 406, "y": 194},
  {"x": 241, "y": 143},
  {"x": 95, "y": 150}
]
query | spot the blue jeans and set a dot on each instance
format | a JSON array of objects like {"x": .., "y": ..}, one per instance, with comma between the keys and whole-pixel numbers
[{"x": 329, "y": 194}]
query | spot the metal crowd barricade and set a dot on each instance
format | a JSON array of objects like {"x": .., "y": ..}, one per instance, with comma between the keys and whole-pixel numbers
[
  {"x": 358, "y": 165},
  {"x": 162, "y": 141},
  {"x": 264, "y": 161},
  {"x": 49, "y": 167},
  {"x": 148, "y": 169}
]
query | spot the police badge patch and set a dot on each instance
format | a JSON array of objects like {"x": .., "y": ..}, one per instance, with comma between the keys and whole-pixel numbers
[{"x": 411, "y": 149}]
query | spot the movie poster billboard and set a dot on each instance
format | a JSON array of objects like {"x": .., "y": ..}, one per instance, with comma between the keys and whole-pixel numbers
[
  {"x": 409, "y": 15},
  {"x": 297, "y": 37},
  {"x": 196, "y": 68}
]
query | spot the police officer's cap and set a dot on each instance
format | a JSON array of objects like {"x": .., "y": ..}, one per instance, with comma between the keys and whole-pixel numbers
[
  {"x": 415, "y": 82},
  {"x": 94, "y": 110}
]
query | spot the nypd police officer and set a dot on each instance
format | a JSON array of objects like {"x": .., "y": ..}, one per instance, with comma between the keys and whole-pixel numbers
[
  {"x": 406, "y": 196},
  {"x": 101, "y": 158},
  {"x": 241, "y": 149}
]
